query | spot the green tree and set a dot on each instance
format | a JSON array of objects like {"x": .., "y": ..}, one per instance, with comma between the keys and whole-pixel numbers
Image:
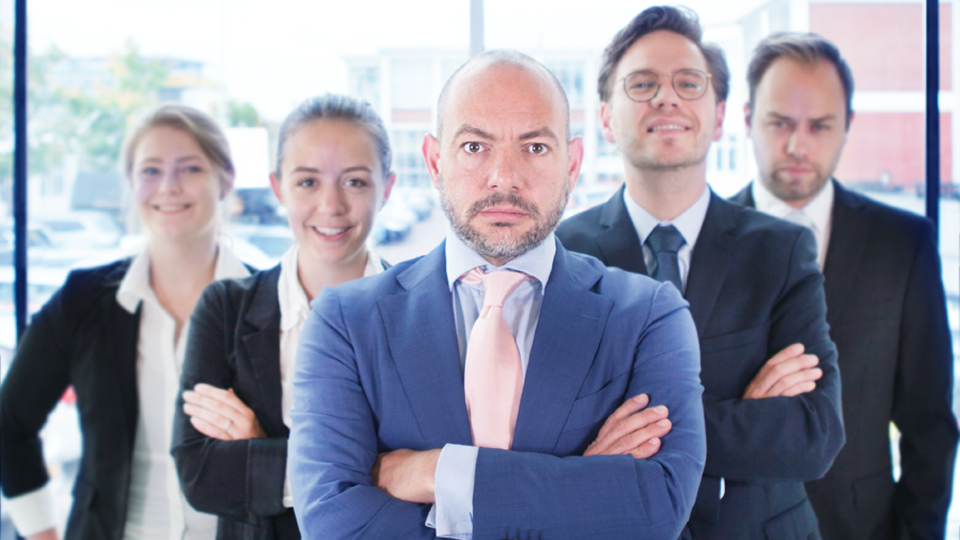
[{"x": 242, "y": 114}]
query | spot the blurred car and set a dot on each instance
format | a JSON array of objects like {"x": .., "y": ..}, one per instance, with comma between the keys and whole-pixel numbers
[
  {"x": 80, "y": 229},
  {"x": 257, "y": 206},
  {"x": 387, "y": 230},
  {"x": 272, "y": 240},
  {"x": 417, "y": 200}
]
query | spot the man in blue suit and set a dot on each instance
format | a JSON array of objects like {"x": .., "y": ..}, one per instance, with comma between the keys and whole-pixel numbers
[{"x": 382, "y": 444}]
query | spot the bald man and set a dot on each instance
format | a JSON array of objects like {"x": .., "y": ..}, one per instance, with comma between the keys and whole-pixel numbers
[{"x": 587, "y": 422}]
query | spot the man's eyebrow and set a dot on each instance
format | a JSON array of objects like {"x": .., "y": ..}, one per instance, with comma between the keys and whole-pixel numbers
[
  {"x": 472, "y": 130},
  {"x": 824, "y": 118},
  {"x": 542, "y": 132},
  {"x": 305, "y": 169}
]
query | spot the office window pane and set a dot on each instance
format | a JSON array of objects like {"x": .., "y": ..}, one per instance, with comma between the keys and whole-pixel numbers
[{"x": 248, "y": 65}]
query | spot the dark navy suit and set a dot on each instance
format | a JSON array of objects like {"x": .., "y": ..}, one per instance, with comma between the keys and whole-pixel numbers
[
  {"x": 379, "y": 369},
  {"x": 888, "y": 317},
  {"x": 754, "y": 288}
]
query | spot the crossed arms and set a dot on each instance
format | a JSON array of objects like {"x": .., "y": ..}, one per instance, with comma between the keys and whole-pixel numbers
[{"x": 348, "y": 397}]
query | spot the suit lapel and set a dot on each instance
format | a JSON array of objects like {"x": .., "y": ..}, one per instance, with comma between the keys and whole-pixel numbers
[
  {"x": 124, "y": 334},
  {"x": 710, "y": 260},
  {"x": 618, "y": 241},
  {"x": 571, "y": 324},
  {"x": 849, "y": 233},
  {"x": 260, "y": 354},
  {"x": 422, "y": 337}
]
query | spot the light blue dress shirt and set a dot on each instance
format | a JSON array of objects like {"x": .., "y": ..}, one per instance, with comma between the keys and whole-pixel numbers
[
  {"x": 452, "y": 515},
  {"x": 687, "y": 223}
]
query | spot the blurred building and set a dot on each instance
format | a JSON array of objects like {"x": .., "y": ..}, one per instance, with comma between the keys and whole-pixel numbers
[{"x": 883, "y": 41}]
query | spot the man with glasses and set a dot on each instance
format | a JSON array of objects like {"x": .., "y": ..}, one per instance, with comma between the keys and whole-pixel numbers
[
  {"x": 883, "y": 285},
  {"x": 768, "y": 367}
]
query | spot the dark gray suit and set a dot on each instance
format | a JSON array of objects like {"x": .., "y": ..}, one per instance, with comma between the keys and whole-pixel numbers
[
  {"x": 234, "y": 342},
  {"x": 887, "y": 315},
  {"x": 754, "y": 288}
]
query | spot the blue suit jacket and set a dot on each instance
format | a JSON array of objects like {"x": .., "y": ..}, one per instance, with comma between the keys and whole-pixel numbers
[{"x": 378, "y": 369}]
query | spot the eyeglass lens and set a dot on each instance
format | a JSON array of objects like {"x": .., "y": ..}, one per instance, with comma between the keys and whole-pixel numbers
[{"x": 688, "y": 83}]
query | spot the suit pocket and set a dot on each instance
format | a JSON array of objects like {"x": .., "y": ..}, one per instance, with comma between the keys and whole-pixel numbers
[
  {"x": 596, "y": 407},
  {"x": 797, "y": 523},
  {"x": 870, "y": 491}
]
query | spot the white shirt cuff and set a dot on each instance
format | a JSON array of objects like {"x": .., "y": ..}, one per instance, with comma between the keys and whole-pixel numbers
[
  {"x": 287, "y": 496},
  {"x": 34, "y": 511},
  {"x": 452, "y": 515}
]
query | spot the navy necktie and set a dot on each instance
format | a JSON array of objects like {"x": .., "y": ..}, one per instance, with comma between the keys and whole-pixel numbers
[{"x": 665, "y": 242}]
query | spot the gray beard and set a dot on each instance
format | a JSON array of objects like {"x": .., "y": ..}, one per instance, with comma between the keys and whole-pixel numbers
[{"x": 502, "y": 249}]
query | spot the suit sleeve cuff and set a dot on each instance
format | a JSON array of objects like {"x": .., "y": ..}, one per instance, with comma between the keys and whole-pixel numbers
[
  {"x": 267, "y": 464},
  {"x": 452, "y": 515},
  {"x": 34, "y": 511}
]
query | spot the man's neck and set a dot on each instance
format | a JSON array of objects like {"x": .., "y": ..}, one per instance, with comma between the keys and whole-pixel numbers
[{"x": 666, "y": 194}]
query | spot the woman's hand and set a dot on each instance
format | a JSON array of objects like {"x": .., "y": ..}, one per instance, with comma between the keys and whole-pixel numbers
[{"x": 220, "y": 414}]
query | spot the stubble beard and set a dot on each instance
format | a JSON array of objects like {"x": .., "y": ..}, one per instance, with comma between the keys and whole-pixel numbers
[
  {"x": 786, "y": 189},
  {"x": 644, "y": 158},
  {"x": 503, "y": 247}
]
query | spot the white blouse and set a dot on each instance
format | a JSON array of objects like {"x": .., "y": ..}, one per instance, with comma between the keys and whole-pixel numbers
[
  {"x": 294, "y": 308},
  {"x": 156, "y": 507}
]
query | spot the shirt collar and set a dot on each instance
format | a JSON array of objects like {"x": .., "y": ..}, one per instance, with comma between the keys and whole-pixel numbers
[
  {"x": 294, "y": 304},
  {"x": 135, "y": 286},
  {"x": 818, "y": 209},
  {"x": 688, "y": 223},
  {"x": 538, "y": 262}
]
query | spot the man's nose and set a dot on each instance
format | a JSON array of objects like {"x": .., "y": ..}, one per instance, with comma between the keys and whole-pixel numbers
[
  {"x": 797, "y": 143},
  {"x": 666, "y": 94},
  {"x": 504, "y": 174}
]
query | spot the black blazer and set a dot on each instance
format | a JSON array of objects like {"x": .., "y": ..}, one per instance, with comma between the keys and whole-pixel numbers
[
  {"x": 887, "y": 314},
  {"x": 754, "y": 288},
  {"x": 234, "y": 342},
  {"x": 83, "y": 337}
]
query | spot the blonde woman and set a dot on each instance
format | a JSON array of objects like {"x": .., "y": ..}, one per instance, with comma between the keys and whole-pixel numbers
[{"x": 117, "y": 334}]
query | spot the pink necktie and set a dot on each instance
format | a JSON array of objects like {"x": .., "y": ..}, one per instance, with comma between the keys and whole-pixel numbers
[{"x": 492, "y": 378}]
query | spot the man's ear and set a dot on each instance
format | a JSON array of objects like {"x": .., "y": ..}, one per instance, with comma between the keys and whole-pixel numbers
[
  {"x": 747, "y": 117},
  {"x": 606, "y": 117},
  {"x": 718, "y": 129},
  {"x": 849, "y": 122},
  {"x": 575, "y": 159},
  {"x": 275, "y": 187},
  {"x": 431, "y": 155}
]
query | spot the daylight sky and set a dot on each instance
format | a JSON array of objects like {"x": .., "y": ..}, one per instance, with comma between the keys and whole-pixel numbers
[{"x": 275, "y": 53}]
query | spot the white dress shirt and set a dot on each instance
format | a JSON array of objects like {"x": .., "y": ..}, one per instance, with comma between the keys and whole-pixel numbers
[
  {"x": 688, "y": 224},
  {"x": 815, "y": 215},
  {"x": 156, "y": 507},
  {"x": 452, "y": 515},
  {"x": 294, "y": 308}
]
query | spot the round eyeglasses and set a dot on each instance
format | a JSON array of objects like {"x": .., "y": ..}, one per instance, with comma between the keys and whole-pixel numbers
[{"x": 642, "y": 86}]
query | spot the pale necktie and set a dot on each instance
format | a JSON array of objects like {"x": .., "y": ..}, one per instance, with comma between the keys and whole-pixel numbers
[
  {"x": 492, "y": 376},
  {"x": 800, "y": 218},
  {"x": 665, "y": 242}
]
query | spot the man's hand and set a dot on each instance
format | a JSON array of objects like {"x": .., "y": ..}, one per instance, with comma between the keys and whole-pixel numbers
[
  {"x": 219, "y": 414},
  {"x": 632, "y": 429},
  {"x": 789, "y": 373},
  {"x": 407, "y": 475},
  {"x": 49, "y": 534}
]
